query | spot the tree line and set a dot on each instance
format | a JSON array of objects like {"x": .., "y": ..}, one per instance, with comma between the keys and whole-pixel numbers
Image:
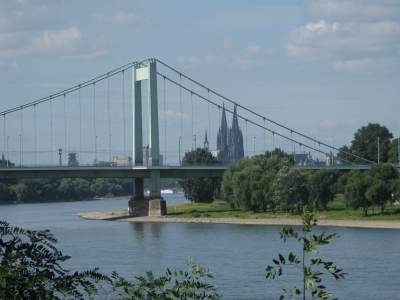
[
  {"x": 42, "y": 190},
  {"x": 268, "y": 181}
]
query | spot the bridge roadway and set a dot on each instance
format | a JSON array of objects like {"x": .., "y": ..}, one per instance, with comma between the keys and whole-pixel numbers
[
  {"x": 132, "y": 172},
  {"x": 110, "y": 172}
]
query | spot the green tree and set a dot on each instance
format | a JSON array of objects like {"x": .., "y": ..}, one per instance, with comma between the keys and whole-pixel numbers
[
  {"x": 30, "y": 267},
  {"x": 341, "y": 182},
  {"x": 311, "y": 273},
  {"x": 322, "y": 187},
  {"x": 290, "y": 189},
  {"x": 357, "y": 184},
  {"x": 21, "y": 191},
  {"x": 81, "y": 188},
  {"x": 66, "y": 190},
  {"x": 365, "y": 145},
  {"x": 200, "y": 190},
  {"x": 5, "y": 194},
  {"x": 382, "y": 181},
  {"x": 248, "y": 184}
]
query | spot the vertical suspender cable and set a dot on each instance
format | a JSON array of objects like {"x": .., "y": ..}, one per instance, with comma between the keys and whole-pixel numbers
[
  {"x": 123, "y": 104},
  {"x": 291, "y": 139},
  {"x": 21, "y": 155},
  {"x": 165, "y": 129},
  {"x": 273, "y": 141},
  {"x": 209, "y": 122},
  {"x": 191, "y": 100},
  {"x": 109, "y": 126},
  {"x": 4, "y": 133},
  {"x": 94, "y": 121},
  {"x": 34, "y": 117},
  {"x": 65, "y": 128},
  {"x": 180, "y": 104},
  {"x": 264, "y": 134},
  {"x": 246, "y": 136},
  {"x": 51, "y": 131},
  {"x": 80, "y": 126}
]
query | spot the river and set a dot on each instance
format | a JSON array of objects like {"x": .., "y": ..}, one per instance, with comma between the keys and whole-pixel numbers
[{"x": 236, "y": 254}]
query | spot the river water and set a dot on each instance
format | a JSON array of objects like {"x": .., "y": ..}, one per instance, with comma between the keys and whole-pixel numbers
[{"x": 236, "y": 254}]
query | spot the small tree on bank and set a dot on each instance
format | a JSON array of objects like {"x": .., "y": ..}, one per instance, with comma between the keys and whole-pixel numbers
[
  {"x": 200, "y": 190},
  {"x": 322, "y": 186},
  {"x": 290, "y": 190},
  {"x": 311, "y": 273}
]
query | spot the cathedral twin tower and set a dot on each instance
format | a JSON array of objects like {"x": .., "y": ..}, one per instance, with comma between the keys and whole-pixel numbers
[{"x": 230, "y": 140}]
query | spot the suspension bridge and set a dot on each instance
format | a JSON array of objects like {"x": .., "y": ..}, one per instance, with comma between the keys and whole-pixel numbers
[{"x": 95, "y": 129}]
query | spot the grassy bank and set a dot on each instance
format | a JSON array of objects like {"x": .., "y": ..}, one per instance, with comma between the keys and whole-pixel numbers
[{"x": 336, "y": 211}]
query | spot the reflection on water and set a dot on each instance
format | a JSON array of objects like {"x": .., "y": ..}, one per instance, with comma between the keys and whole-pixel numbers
[{"x": 236, "y": 254}]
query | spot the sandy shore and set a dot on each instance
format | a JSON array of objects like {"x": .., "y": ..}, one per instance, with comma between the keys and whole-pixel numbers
[{"x": 120, "y": 216}]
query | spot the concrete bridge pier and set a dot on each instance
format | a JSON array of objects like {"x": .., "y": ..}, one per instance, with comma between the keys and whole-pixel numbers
[{"x": 154, "y": 205}]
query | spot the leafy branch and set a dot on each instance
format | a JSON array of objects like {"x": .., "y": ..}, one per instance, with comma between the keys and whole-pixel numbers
[{"x": 311, "y": 273}]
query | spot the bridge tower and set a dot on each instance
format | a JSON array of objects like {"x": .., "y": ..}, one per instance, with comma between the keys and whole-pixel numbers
[{"x": 156, "y": 205}]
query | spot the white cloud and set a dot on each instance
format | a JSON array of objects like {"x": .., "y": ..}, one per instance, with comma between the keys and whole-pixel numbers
[
  {"x": 339, "y": 123},
  {"x": 246, "y": 58},
  {"x": 23, "y": 15},
  {"x": 354, "y": 10},
  {"x": 35, "y": 30},
  {"x": 367, "y": 65},
  {"x": 170, "y": 115},
  {"x": 121, "y": 18},
  {"x": 64, "y": 43},
  {"x": 356, "y": 36}
]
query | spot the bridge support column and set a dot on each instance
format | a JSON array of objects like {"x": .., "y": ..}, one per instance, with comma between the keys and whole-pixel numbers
[{"x": 155, "y": 205}]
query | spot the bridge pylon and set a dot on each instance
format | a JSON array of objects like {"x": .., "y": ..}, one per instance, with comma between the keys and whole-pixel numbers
[{"x": 137, "y": 205}]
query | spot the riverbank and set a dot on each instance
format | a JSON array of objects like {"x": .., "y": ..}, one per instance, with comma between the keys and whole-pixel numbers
[{"x": 121, "y": 216}]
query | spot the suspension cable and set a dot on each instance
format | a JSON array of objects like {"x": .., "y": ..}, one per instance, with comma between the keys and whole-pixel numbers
[
  {"x": 76, "y": 87},
  {"x": 94, "y": 120},
  {"x": 256, "y": 114},
  {"x": 209, "y": 120},
  {"x": 5, "y": 151},
  {"x": 65, "y": 128},
  {"x": 34, "y": 117},
  {"x": 123, "y": 104},
  {"x": 180, "y": 104},
  {"x": 191, "y": 100},
  {"x": 165, "y": 130},
  {"x": 80, "y": 127},
  {"x": 20, "y": 141},
  {"x": 51, "y": 131},
  {"x": 270, "y": 130},
  {"x": 246, "y": 138},
  {"x": 264, "y": 135},
  {"x": 109, "y": 125}
]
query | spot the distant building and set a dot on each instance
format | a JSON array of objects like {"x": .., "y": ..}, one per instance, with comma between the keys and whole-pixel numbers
[
  {"x": 304, "y": 159},
  {"x": 147, "y": 155},
  {"x": 72, "y": 159},
  {"x": 230, "y": 140},
  {"x": 122, "y": 161}
]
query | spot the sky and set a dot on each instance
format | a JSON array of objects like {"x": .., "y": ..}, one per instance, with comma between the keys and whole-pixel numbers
[{"x": 324, "y": 68}]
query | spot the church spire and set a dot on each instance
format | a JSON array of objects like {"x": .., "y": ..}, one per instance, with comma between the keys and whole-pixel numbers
[
  {"x": 224, "y": 126},
  {"x": 235, "y": 123},
  {"x": 206, "y": 143}
]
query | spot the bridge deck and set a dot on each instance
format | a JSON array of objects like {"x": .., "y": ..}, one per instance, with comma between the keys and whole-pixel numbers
[
  {"x": 111, "y": 172},
  {"x": 134, "y": 172}
]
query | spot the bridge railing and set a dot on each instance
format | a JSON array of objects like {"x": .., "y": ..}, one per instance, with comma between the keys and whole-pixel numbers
[{"x": 106, "y": 165}]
